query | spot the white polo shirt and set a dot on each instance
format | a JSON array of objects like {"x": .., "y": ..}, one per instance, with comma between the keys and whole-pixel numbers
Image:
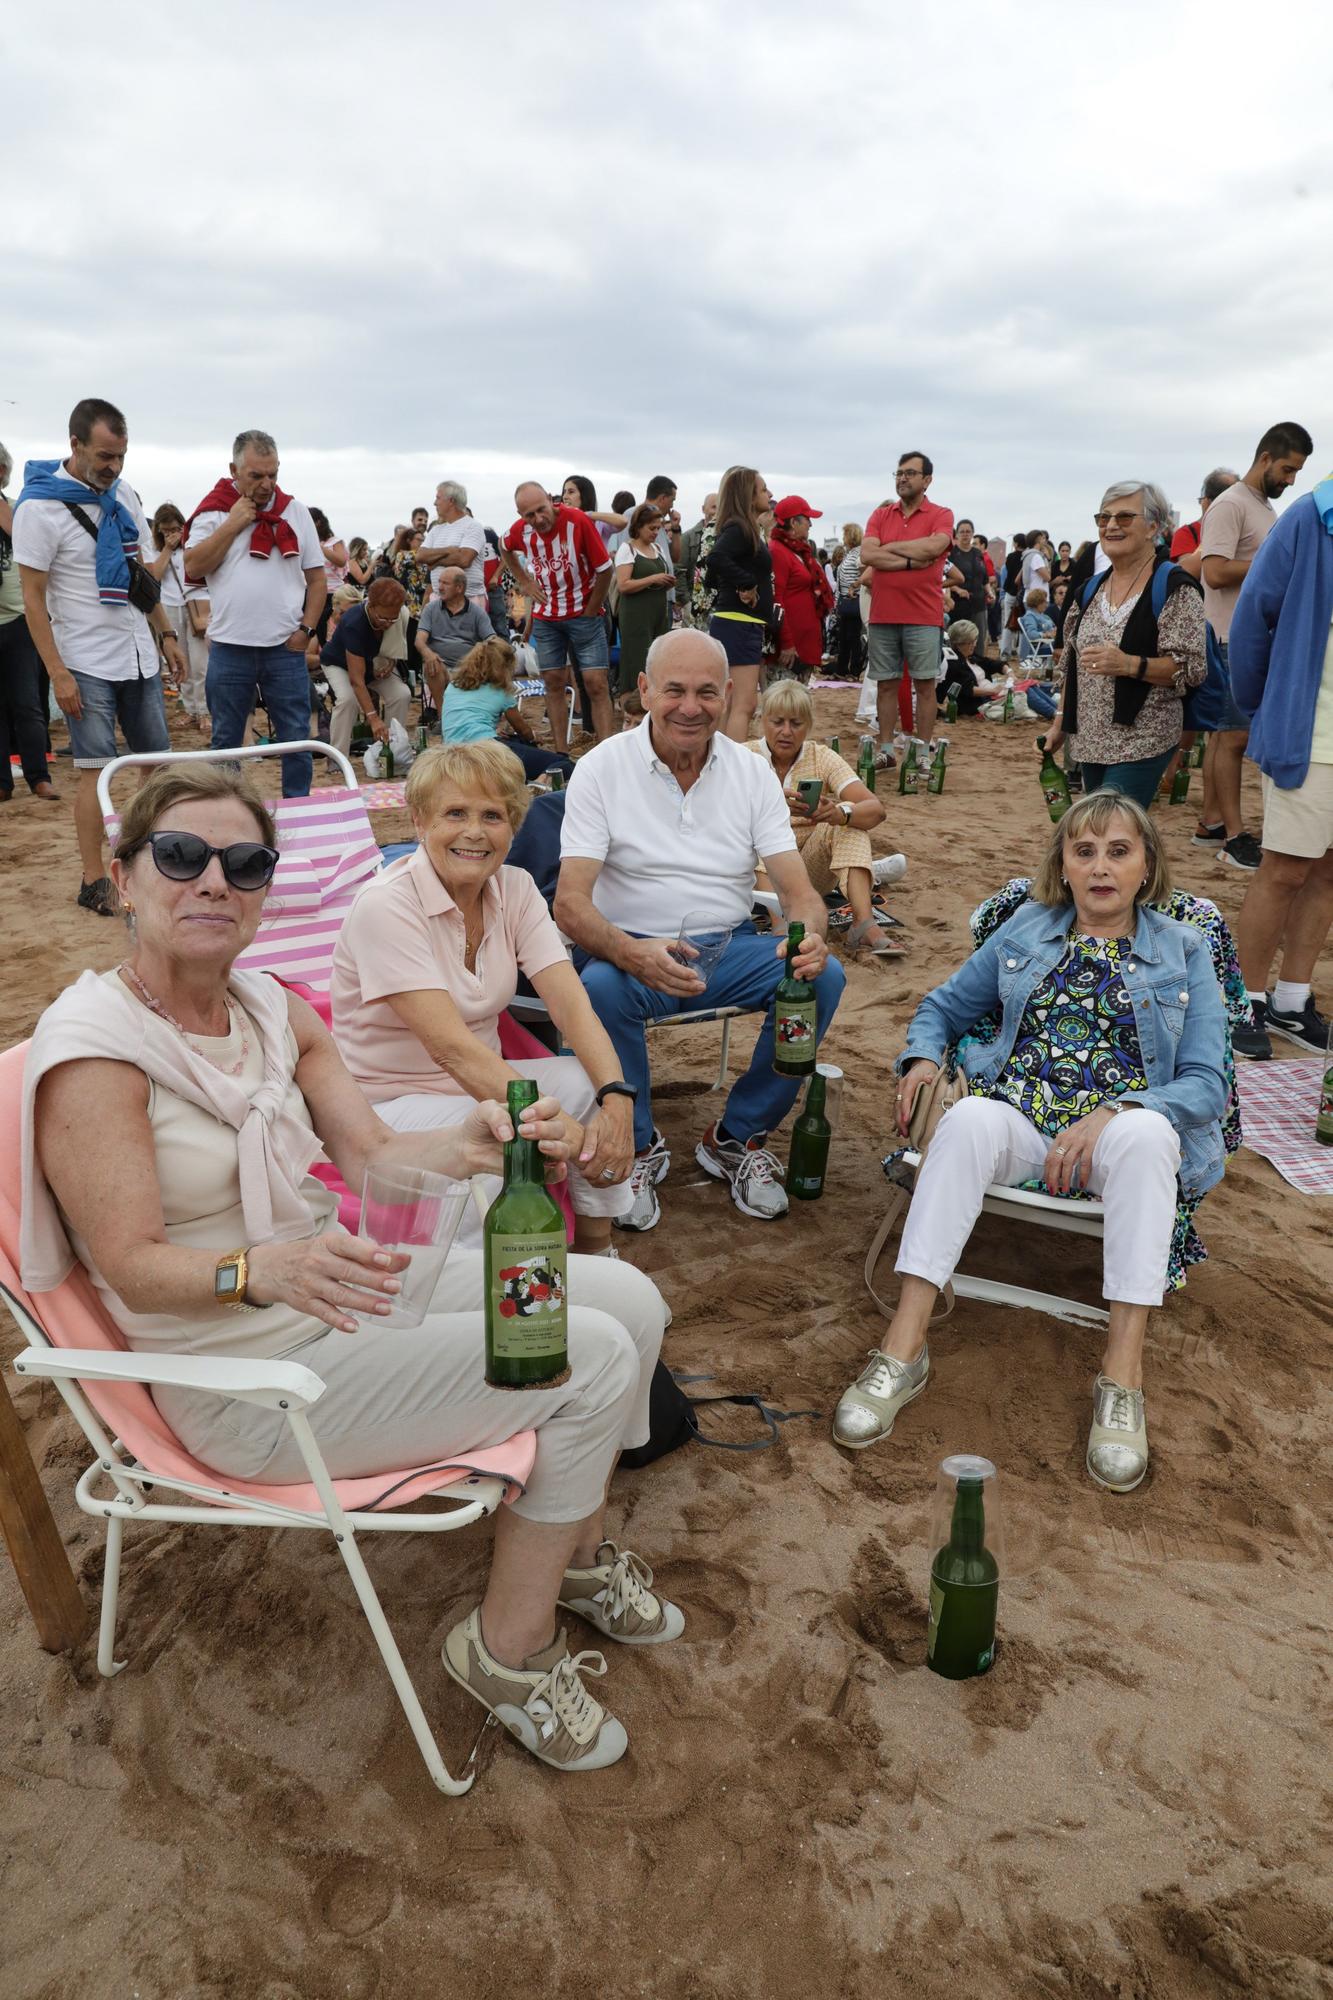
[
  {"x": 258, "y": 603},
  {"x": 110, "y": 642},
  {"x": 665, "y": 852},
  {"x": 464, "y": 533}
]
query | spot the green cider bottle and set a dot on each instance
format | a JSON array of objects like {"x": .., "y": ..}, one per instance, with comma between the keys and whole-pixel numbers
[
  {"x": 865, "y": 763},
  {"x": 1054, "y": 784},
  {"x": 1180, "y": 784},
  {"x": 1197, "y": 753},
  {"x": 835, "y": 745},
  {"x": 423, "y": 740},
  {"x": 1323, "y": 1129},
  {"x": 387, "y": 766},
  {"x": 807, "y": 1157},
  {"x": 1007, "y": 713},
  {"x": 935, "y": 782},
  {"x": 556, "y": 778},
  {"x": 951, "y": 706},
  {"x": 526, "y": 1254},
  {"x": 964, "y": 1591},
  {"x": 795, "y": 1036},
  {"x": 909, "y": 771}
]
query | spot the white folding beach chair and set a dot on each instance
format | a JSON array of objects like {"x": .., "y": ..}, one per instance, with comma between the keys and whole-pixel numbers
[
  {"x": 327, "y": 851},
  {"x": 137, "y": 1458}
]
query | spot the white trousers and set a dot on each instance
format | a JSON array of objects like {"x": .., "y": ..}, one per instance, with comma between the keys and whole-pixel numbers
[
  {"x": 557, "y": 1076},
  {"x": 194, "y": 645},
  {"x": 398, "y": 1397},
  {"x": 982, "y": 1142},
  {"x": 395, "y": 700}
]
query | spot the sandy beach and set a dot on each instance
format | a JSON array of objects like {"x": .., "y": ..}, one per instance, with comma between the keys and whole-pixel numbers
[{"x": 1133, "y": 1805}]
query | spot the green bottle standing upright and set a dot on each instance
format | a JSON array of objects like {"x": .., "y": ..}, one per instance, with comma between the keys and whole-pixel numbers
[
  {"x": 527, "y": 1294},
  {"x": 1180, "y": 784},
  {"x": 1323, "y": 1129},
  {"x": 423, "y": 740},
  {"x": 387, "y": 763},
  {"x": 1197, "y": 753},
  {"x": 795, "y": 1035},
  {"x": 951, "y": 706},
  {"x": 807, "y": 1158},
  {"x": 556, "y": 779},
  {"x": 835, "y": 745},
  {"x": 935, "y": 782},
  {"x": 964, "y": 1575},
  {"x": 909, "y": 771},
  {"x": 1007, "y": 714},
  {"x": 1054, "y": 784},
  {"x": 865, "y": 763}
]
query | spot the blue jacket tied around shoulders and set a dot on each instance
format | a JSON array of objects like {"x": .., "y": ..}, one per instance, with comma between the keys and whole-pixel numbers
[
  {"x": 1177, "y": 1006},
  {"x": 1279, "y": 638}
]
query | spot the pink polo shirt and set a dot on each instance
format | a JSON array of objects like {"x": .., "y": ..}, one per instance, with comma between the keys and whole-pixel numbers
[{"x": 404, "y": 934}]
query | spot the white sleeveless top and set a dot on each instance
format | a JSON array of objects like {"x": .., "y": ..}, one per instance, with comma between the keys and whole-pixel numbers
[{"x": 198, "y": 1173}]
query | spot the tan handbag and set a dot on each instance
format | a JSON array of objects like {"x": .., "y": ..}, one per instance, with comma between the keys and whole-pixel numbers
[{"x": 946, "y": 1087}]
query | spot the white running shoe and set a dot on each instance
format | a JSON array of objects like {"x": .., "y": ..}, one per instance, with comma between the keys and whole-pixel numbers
[
  {"x": 649, "y": 1168},
  {"x": 889, "y": 868}
]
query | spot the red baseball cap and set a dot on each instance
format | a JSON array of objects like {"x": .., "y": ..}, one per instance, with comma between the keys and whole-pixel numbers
[{"x": 793, "y": 504}]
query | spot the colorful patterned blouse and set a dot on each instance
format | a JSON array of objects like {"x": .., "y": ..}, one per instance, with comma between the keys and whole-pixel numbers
[{"x": 1077, "y": 1044}]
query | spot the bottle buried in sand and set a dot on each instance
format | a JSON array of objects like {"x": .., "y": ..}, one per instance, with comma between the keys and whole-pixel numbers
[
  {"x": 526, "y": 1303},
  {"x": 939, "y": 751},
  {"x": 1054, "y": 784},
  {"x": 965, "y": 1570},
  {"x": 807, "y": 1158},
  {"x": 1180, "y": 784},
  {"x": 865, "y": 763},
  {"x": 1007, "y": 714},
  {"x": 794, "y": 1030},
  {"x": 1323, "y": 1128}
]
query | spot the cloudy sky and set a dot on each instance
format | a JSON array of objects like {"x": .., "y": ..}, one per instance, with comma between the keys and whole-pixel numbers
[{"x": 1052, "y": 246}]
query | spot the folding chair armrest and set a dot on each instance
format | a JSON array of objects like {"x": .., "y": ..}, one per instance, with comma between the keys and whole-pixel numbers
[{"x": 242, "y": 1379}]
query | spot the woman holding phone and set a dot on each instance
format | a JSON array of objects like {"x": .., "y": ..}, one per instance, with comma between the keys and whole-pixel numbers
[{"x": 832, "y": 813}]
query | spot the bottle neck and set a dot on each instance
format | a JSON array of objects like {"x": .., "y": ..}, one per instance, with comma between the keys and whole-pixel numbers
[
  {"x": 523, "y": 1163},
  {"x": 816, "y": 1095},
  {"x": 967, "y": 1531}
]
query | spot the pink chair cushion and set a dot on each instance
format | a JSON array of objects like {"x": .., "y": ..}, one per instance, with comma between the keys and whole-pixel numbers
[{"x": 73, "y": 1317}]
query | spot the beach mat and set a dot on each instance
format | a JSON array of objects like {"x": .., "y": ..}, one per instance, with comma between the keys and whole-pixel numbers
[{"x": 1278, "y": 1104}]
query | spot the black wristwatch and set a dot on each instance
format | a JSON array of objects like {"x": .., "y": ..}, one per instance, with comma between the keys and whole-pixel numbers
[
  {"x": 1141, "y": 671},
  {"x": 616, "y": 1089},
  {"x": 309, "y": 630}
]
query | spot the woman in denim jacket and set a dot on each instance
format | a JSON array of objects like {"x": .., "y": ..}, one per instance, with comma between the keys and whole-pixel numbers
[{"x": 1106, "y": 1008}]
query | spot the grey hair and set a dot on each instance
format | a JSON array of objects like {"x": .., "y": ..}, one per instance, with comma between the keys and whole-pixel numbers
[
  {"x": 662, "y": 645},
  {"x": 6, "y": 459},
  {"x": 1156, "y": 506},
  {"x": 259, "y": 442},
  {"x": 453, "y": 491},
  {"x": 1217, "y": 482}
]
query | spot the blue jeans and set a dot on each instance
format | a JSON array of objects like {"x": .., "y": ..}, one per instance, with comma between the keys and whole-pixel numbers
[
  {"x": 1137, "y": 781},
  {"x": 584, "y": 637},
  {"x": 1041, "y": 700},
  {"x": 237, "y": 677},
  {"x": 137, "y": 705},
  {"x": 746, "y": 975}
]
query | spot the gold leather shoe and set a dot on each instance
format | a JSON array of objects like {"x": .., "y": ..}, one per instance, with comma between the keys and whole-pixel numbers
[
  {"x": 867, "y": 1410},
  {"x": 1118, "y": 1441}
]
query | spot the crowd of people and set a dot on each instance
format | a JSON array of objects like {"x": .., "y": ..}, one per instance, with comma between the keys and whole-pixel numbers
[{"x": 1088, "y": 1026}]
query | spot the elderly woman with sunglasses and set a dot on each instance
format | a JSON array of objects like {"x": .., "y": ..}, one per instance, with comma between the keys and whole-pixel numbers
[
  {"x": 1130, "y": 654},
  {"x": 173, "y": 1110}
]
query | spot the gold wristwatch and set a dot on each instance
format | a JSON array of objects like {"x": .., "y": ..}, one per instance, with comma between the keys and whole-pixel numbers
[{"x": 229, "y": 1282}]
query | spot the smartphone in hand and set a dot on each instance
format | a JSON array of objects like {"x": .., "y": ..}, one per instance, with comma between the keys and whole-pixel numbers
[{"x": 809, "y": 790}]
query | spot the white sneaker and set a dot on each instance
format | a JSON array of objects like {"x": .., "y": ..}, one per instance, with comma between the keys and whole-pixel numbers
[
  {"x": 544, "y": 1704},
  {"x": 649, "y": 1168},
  {"x": 889, "y": 868},
  {"x": 754, "y": 1173},
  {"x": 616, "y": 1597}
]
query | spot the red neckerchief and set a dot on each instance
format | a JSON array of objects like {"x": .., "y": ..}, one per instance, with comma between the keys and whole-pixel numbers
[
  {"x": 806, "y": 555},
  {"x": 270, "y": 531}
]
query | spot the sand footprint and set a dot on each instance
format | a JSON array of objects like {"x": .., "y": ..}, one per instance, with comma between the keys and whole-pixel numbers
[{"x": 354, "y": 1896}]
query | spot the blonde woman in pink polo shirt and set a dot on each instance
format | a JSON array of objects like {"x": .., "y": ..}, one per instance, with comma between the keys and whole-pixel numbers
[{"x": 429, "y": 958}]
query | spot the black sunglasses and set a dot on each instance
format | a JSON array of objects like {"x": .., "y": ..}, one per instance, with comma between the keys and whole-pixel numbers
[{"x": 183, "y": 857}]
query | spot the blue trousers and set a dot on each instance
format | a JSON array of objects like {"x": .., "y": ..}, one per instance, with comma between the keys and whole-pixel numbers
[
  {"x": 237, "y": 677},
  {"x": 746, "y": 975},
  {"x": 1137, "y": 780}
]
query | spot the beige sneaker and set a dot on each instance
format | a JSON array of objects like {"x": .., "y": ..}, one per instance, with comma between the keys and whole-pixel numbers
[
  {"x": 615, "y": 1597},
  {"x": 543, "y": 1703},
  {"x": 866, "y": 1411},
  {"x": 1118, "y": 1440}
]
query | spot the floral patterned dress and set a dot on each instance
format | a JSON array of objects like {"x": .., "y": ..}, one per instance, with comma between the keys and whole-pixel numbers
[{"x": 1077, "y": 1045}]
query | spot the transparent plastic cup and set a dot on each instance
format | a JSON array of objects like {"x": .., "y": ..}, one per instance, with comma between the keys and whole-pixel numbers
[
  {"x": 413, "y": 1210},
  {"x": 967, "y": 1560},
  {"x": 833, "y": 1081},
  {"x": 701, "y": 942}
]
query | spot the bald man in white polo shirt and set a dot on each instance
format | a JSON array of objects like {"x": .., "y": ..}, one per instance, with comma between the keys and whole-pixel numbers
[{"x": 672, "y": 819}]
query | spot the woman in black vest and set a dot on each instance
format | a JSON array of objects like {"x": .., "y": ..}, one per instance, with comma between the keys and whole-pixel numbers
[{"x": 1132, "y": 650}]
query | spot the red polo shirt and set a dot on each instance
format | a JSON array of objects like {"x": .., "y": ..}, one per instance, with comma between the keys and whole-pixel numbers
[{"x": 909, "y": 596}]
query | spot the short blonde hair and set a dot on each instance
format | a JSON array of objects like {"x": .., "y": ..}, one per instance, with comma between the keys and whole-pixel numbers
[
  {"x": 787, "y": 698},
  {"x": 851, "y": 535},
  {"x": 485, "y": 767},
  {"x": 1094, "y": 814},
  {"x": 1035, "y": 597}
]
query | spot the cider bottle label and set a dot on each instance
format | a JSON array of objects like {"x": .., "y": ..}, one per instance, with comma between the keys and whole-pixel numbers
[
  {"x": 794, "y": 1029},
  {"x": 525, "y": 1278}
]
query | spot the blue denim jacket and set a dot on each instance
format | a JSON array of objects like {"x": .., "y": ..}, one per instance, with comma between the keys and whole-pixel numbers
[{"x": 1177, "y": 1006}]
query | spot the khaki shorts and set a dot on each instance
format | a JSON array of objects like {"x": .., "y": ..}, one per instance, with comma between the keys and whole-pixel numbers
[{"x": 1300, "y": 822}]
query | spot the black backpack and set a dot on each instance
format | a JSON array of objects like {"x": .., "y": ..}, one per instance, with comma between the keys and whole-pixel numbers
[{"x": 672, "y": 1419}]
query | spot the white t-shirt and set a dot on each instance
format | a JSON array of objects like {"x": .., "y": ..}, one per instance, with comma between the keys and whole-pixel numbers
[
  {"x": 1033, "y": 563},
  {"x": 258, "y": 603},
  {"x": 666, "y": 853},
  {"x": 110, "y": 642},
  {"x": 173, "y": 579},
  {"x": 461, "y": 534}
]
